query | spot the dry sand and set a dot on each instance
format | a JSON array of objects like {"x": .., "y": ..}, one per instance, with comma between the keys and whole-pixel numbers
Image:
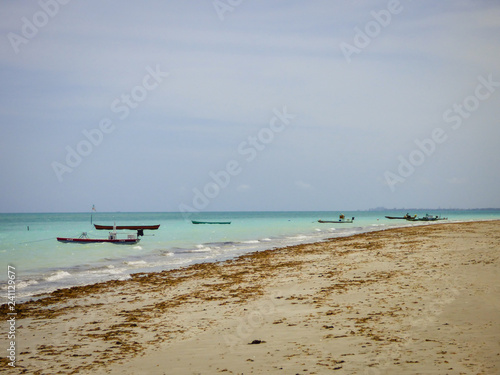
[{"x": 417, "y": 300}]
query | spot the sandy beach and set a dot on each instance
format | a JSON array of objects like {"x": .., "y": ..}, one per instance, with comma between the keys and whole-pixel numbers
[{"x": 415, "y": 300}]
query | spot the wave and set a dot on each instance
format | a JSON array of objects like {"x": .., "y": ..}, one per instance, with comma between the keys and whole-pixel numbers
[
  {"x": 166, "y": 253},
  {"x": 135, "y": 262},
  {"x": 58, "y": 275},
  {"x": 25, "y": 283},
  {"x": 219, "y": 244},
  {"x": 299, "y": 237},
  {"x": 191, "y": 251}
]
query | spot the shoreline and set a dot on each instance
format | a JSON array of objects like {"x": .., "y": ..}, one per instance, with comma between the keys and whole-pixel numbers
[
  {"x": 367, "y": 229},
  {"x": 343, "y": 287},
  {"x": 39, "y": 278},
  {"x": 47, "y": 278}
]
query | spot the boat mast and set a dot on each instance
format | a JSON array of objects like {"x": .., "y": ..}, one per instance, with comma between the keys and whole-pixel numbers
[{"x": 93, "y": 210}]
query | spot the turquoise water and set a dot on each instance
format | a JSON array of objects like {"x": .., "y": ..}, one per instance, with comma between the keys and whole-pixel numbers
[{"x": 28, "y": 241}]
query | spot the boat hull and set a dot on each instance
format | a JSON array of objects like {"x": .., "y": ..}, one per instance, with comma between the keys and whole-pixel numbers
[{"x": 125, "y": 241}]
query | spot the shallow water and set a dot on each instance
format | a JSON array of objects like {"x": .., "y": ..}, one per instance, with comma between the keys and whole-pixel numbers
[{"x": 28, "y": 241}]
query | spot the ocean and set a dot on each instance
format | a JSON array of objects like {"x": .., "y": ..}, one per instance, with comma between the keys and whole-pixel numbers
[{"x": 42, "y": 264}]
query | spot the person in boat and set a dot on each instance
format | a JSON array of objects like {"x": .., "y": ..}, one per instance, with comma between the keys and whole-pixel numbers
[{"x": 342, "y": 217}]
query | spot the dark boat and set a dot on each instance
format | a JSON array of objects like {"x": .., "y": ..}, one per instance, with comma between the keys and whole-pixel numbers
[
  {"x": 112, "y": 238},
  {"x": 131, "y": 227},
  {"x": 406, "y": 217},
  {"x": 427, "y": 217},
  {"x": 210, "y": 222}
]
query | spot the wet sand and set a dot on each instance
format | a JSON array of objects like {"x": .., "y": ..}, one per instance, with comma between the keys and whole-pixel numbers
[{"x": 416, "y": 300}]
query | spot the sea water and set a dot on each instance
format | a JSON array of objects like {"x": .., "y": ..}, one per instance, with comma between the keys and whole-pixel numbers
[{"x": 28, "y": 241}]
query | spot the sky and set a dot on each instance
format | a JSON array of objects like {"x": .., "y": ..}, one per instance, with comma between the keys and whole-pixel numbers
[{"x": 239, "y": 105}]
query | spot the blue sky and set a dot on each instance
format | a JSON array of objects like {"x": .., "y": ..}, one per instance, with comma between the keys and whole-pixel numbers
[{"x": 175, "y": 93}]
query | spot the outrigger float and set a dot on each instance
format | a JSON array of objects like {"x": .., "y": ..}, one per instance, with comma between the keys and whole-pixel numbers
[{"x": 113, "y": 237}]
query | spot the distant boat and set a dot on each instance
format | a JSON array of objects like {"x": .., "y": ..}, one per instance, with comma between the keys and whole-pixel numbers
[
  {"x": 427, "y": 217},
  {"x": 341, "y": 219},
  {"x": 406, "y": 217},
  {"x": 131, "y": 227},
  {"x": 210, "y": 222},
  {"x": 112, "y": 238}
]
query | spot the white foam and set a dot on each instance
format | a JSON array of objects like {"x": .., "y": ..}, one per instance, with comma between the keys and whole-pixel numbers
[
  {"x": 198, "y": 250},
  {"x": 58, "y": 276},
  {"x": 297, "y": 238},
  {"x": 135, "y": 263},
  {"x": 115, "y": 271},
  {"x": 24, "y": 284}
]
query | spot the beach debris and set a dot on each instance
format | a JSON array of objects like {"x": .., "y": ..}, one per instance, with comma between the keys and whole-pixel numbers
[{"x": 255, "y": 342}]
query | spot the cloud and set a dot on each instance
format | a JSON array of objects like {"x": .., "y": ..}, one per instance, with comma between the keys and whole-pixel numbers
[{"x": 353, "y": 120}]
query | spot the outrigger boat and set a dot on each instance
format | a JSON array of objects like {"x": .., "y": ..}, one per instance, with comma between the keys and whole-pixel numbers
[
  {"x": 210, "y": 222},
  {"x": 428, "y": 217},
  {"x": 406, "y": 217},
  {"x": 341, "y": 219},
  {"x": 139, "y": 228},
  {"x": 112, "y": 238}
]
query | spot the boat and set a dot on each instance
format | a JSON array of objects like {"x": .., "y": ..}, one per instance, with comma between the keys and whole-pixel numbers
[
  {"x": 131, "y": 227},
  {"x": 406, "y": 217},
  {"x": 341, "y": 219},
  {"x": 112, "y": 238},
  {"x": 210, "y": 222},
  {"x": 427, "y": 217}
]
